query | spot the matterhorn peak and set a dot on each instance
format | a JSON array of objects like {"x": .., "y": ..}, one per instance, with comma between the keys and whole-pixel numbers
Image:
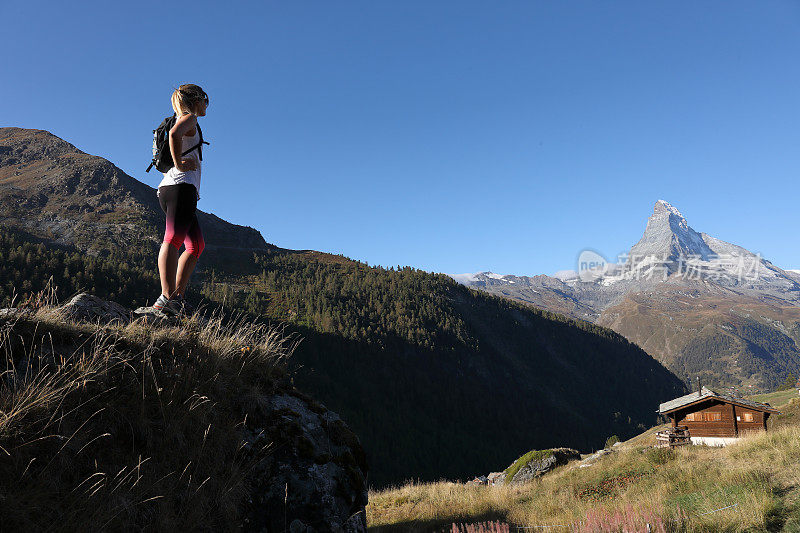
[
  {"x": 668, "y": 237},
  {"x": 663, "y": 206},
  {"x": 667, "y": 213}
]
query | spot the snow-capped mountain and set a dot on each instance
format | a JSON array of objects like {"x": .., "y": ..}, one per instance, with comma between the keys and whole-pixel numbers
[
  {"x": 669, "y": 251},
  {"x": 668, "y": 236},
  {"x": 481, "y": 277},
  {"x": 670, "y": 248},
  {"x": 700, "y": 305}
]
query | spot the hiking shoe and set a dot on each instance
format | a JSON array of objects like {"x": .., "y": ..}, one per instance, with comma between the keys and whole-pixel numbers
[{"x": 167, "y": 306}]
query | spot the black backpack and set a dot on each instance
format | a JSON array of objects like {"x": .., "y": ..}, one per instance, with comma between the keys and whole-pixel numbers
[{"x": 162, "y": 158}]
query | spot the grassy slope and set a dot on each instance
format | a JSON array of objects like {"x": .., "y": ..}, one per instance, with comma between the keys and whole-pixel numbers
[
  {"x": 84, "y": 430},
  {"x": 759, "y": 475},
  {"x": 778, "y": 398}
]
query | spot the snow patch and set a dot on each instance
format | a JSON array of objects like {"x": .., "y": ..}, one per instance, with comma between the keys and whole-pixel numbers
[
  {"x": 669, "y": 207},
  {"x": 467, "y": 279}
]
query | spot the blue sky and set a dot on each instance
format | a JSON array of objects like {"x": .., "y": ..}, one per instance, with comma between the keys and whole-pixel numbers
[{"x": 450, "y": 136}]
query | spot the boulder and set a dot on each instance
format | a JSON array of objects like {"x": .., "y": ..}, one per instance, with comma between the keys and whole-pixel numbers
[
  {"x": 8, "y": 313},
  {"x": 155, "y": 318},
  {"x": 545, "y": 463},
  {"x": 315, "y": 478},
  {"x": 593, "y": 458},
  {"x": 495, "y": 478},
  {"x": 93, "y": 309}
]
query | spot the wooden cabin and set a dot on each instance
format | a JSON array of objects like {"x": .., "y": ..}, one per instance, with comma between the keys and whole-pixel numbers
[{"x": 716, "y": 419}]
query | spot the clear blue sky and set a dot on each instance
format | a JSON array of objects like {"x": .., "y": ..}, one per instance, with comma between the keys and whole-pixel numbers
[{"x": 451, "y": 136}]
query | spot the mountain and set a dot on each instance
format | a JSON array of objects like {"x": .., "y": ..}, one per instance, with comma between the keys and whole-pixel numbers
[
  {"x": 435, "y": 378},
  {"x": 52, "y": 190},
  {"x": 704, "y": 307}
]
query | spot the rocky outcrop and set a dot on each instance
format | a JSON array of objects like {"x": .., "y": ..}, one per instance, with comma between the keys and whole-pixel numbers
[
  {"x": 90, "y": 308},
  {"x": 536, "y": 464},
  {"x": 156, "y": 318},
  {"x": 9, "y": 312},
  {"x": 545, "y": 463},
  {"x": 596, "y": 456},
  {"x": 93, "y": 309},
  {"x": 494, "y": 478},
  {"x": 315, "y": 479}
]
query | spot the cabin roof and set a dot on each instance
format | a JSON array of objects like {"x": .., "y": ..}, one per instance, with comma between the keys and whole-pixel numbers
[{"x": 706, "y": 393}]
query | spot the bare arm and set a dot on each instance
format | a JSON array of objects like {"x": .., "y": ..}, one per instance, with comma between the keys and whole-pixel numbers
[{"x": 184, "y": 124}]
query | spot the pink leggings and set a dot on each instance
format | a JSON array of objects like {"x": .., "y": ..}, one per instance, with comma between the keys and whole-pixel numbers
[{"x": 179, "y": 202}]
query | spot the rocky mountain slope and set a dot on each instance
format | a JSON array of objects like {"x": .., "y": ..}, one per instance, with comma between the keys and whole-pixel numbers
[
  {"x": 52, "y": 190},
  {"x": 704, "y": 307}
]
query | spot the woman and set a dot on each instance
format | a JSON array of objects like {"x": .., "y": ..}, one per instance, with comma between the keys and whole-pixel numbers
[{"x": 178, "y": 193}]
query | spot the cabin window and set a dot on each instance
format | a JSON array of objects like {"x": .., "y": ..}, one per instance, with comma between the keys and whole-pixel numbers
[
  {"x": 704, "y": 417},
  {"x": 748, "y": 417}
]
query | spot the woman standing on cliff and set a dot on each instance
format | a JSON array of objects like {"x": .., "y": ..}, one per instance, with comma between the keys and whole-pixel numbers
[{"x": 178, "y": 193}]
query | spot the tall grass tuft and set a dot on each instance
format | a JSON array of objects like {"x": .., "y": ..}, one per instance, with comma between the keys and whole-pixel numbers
[
  {"x": 481, "y": 527},
  {"x": 631, "y": 519}
]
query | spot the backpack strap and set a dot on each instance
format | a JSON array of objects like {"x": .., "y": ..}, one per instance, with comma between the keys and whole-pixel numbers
[
  {"x": 192, "y": 148},
  {"x": 183, "y": 154},
  {"x": 201, "y": 143}
]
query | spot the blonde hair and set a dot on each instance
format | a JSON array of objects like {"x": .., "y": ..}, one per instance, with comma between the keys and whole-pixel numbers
[{"x": 185, "y": 97}]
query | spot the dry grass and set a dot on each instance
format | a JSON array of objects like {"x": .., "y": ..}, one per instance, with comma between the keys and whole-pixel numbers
[
  {"x": 130, "y": 427},
  {"x": 758, "y": 476},
  {"x": 777, "y": 398}
]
